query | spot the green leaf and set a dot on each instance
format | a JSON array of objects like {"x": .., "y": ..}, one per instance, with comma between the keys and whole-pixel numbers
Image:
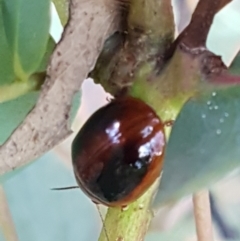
[
  {"x": 204, "y": 144},
  {"x": 13, "y": 112},
  {"x": 16, "y": 89},
  {"x": 48, "y": 52},
  {"x": 6, "y": 69},
  {"x": 26, "y": 24}
]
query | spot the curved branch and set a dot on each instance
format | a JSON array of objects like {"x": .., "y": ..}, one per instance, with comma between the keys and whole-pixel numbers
[
  {"x": 91, "y": 22},
  {"x": 195, "y": 35}
]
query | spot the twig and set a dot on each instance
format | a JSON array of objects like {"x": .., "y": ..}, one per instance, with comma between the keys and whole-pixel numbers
[
  {"x": 202, "y": 214},
  {"x": 195, "y": 35},
  {"x": 6, "y": 222},
  {"x": 90, "y": 24}
]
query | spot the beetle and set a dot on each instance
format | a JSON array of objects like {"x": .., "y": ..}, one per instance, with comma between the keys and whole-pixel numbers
[{"x": 118, "y": 153}]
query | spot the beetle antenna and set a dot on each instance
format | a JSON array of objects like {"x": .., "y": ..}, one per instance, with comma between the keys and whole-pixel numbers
[
  {"x": 104, "y": 226},
  {"x": 64, "y": 188}
]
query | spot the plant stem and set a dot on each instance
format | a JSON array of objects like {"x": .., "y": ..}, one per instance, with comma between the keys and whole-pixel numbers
[
  {"x": 202, "y": 214},
  {"x": 201, "y": 22},
  {"x": 152, "y": 18},
  {"x": 130, "y": 223},
  {"x": 149, "y": 33}
]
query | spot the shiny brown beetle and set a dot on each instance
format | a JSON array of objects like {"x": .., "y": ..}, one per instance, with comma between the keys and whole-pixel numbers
[{"x": 118, "y": 153}]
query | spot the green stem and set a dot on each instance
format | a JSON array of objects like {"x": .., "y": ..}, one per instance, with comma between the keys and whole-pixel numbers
[
  {"x": 150, "y": 33},
  {"x": 152, "y": 18},
  {"x": 130, "y": 223},
  {"x": 139, "y": 68}
]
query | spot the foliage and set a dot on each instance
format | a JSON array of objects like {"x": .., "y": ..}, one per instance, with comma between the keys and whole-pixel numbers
[
  {"x": 203, "y": 144},
  {"x": 25, "y": 48},
  {"x": 180, "y": 79}
]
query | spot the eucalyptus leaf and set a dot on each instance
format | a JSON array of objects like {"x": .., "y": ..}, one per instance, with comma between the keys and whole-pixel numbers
[
  {"x": 48, "y": 52},
  {"x": 26, "y": 24},
  {"x": 6, "y": 68},
  {"x": 13, "y": 112},
  {"x": 204, "y": 144}
]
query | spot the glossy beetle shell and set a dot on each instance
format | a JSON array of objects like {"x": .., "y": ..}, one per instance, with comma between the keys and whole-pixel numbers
[{"x": 118, "y": 153}]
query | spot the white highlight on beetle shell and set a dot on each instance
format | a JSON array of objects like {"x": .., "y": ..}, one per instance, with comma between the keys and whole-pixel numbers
[{"x": 114, "y": 132}]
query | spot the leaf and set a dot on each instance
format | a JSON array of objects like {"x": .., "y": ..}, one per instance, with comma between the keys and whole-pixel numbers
[
  {"x": 6, "y": 69},
  {"x": 26, "y": 24},
  {"x": 204, "y": 144},
  {"x": 48, "y": 52},
  {"x": 16, "y": 89},
  {"x": 13, "y": 112}
]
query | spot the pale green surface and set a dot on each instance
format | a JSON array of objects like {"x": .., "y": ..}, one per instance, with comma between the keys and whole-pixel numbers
[
  {"x": 6, "y": 68},
  {"x": 26, "y": 24},
  {"x": 13, "y": 112},
  {"x": 24, "y": 27},
  {"x": 203, "y": 145},
  {"x": 47, "y": 54},
  {"x": 42, "y": 214}
]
